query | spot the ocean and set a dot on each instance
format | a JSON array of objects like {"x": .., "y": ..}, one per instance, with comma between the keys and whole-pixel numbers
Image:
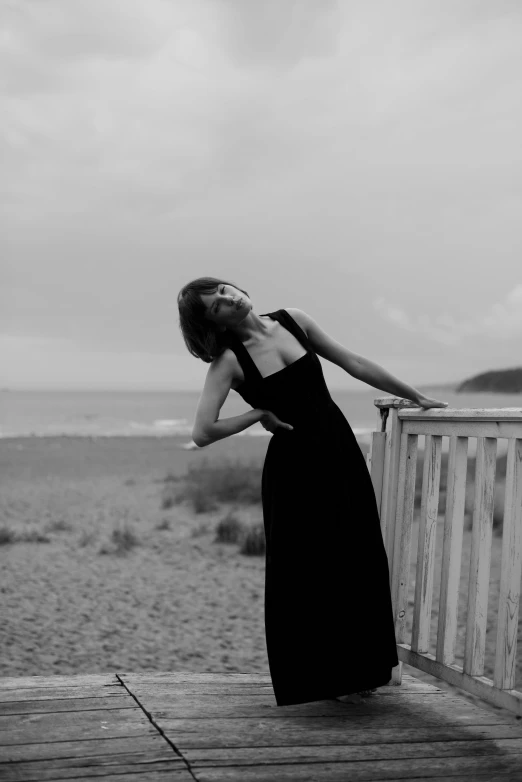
[{"x": 171, "y": 413}]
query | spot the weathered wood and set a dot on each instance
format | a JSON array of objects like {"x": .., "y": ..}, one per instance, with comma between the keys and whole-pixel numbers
[
  {"x": 67, "y": 680},
  {"x": 403, "y": 526},
  {"x": 472, "y": 414},
  {"x": 229, "y": 679},
  {"x": 421, "y": 708},
  {"x": 49, "y": 705},
  {"x": 133, "y": 767},
  {"x": 451, "y": 550},
  {"x": 393, "y": 401},
  {"x": 462, "y": 428},
  {"x": 487, "y": 425},
  {"x": 402, "y": 539},
  {"x": 426, "y": 544},
  {"x": 14, "y": 695},
  {"x": 262, "y": 696},
  {"x": 56, "y": 725},
  {"x": 362, "y": 771},
  {"x": 456, "y": 748},
  {"x": 390, "y": 480},
  {"x": 406, "y": 712},
  {"x": 480, "y": 557},
  {"x": 208, "y": 685},
  {"x": 489, "y": 776},
  {"x": 375, "y": 464},
  {"x": 157, "y": 771},
  {"x": 480, "y": 686},
  {"x": 102, "y": 728},
  {"x": 511, "y": 571},
  {"x": 201, "y": 727},
  {"x": 88, "y": 748}
]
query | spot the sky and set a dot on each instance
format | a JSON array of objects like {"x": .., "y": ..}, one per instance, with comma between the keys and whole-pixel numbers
[{"x": 357, "y": 159}]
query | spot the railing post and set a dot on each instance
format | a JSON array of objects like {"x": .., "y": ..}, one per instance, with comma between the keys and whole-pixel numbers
[
  {"x": 375, "y": 461},
  {"x": 389, "y": 411},
  {"x": 389, "y": 408}
]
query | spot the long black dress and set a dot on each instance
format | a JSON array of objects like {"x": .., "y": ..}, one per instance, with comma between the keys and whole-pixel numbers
[{"x": 328, "y": 612}]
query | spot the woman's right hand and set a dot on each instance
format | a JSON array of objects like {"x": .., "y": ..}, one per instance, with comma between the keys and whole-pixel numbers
[
  {"x": 271, "y": 422},
  {"x": 427, "y": 402}
]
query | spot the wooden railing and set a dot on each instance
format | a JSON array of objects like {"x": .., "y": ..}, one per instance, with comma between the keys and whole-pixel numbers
[{"x": 392, "y": 462}]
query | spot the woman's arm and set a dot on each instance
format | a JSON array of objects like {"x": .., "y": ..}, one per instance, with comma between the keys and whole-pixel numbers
[
  {"x": 207, "y": 429},
  {"x": 358, "y": 366}
]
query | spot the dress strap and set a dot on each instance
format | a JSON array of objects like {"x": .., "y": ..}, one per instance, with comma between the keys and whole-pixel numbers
[
  {"x": 250, "y": 371},
  {"x": 293, "y": 327}
]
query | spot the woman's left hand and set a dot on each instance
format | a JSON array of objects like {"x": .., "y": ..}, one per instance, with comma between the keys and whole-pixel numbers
[{"x": 425, "y": 401}]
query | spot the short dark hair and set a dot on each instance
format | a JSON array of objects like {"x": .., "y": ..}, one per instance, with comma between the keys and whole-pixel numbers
[{"x": 201, "y": 336}]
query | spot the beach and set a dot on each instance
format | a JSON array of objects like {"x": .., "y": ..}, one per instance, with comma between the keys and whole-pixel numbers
[{"x": 176, "y": 600}]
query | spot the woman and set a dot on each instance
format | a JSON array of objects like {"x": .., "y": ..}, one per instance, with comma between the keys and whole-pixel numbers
[{"x": 328, "y": 613}]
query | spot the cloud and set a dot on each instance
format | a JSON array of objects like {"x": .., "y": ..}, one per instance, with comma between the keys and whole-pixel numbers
[
  {"x": 502, "y": 321},
  {"x": 145, "y": 142},
  {"x": 280, "y": 33}
]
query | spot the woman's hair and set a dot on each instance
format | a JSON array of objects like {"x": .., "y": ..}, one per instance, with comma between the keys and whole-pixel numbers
[{"x": 201, "y": 336}]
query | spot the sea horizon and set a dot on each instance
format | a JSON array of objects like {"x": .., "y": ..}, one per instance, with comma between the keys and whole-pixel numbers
[{"x": 160, "y": 413}]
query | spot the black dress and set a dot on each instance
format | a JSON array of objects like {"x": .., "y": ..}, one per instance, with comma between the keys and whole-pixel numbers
[{"x": 328, "y": 613}]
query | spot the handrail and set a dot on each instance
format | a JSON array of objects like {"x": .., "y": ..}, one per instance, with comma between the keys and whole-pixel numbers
[{"x": 392, "y": 463}]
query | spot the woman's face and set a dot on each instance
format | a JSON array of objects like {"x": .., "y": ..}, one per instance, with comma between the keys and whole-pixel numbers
[{"x": 228, "y": 306}]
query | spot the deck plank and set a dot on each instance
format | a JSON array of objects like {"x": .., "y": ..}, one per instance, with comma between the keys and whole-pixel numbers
[
  {"x": 48, "y": 705},
  {"x": 89, "y": 748},
  {"x": 186, "y": 707},
  {"x": 366, "y": 771},
  {"x": 331, "y": 753},
  {"x": 222, "y": 727},
  {"x": 18, "y": 695},
  {"x": 68, "y": 727}
]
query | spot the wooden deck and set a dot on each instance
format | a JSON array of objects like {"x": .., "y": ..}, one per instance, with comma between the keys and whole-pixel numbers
[{"x": 159, "y": 727}]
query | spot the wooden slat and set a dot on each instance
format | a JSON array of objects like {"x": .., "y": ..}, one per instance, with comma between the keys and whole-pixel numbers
[
  {"x": 480, "y": 557},
  {"x": 51, "y": 705},
  {"x": 481, "y": 686},
  {"x": 201, "y": 679},
  {"x": 462, "y": 428},
  {"x": 349, "y": 728},
  {"x": 392, "y": 711},
  {"x": 452, "y": 550},
  {"x": 147, "y": 770},
  {"x": 55, "y": 725},
  {"x": 18, "y": 695},
  {"x": 426, "y": 544},
  {"x": 85, "y": 748},
  {"x": 510, "y": 574},
  {"x": 361, "y": 771},
  {"x": 67, "y": 680},
  {"x": 390, "y": 478},
  {"x": 458, "y": 748},
  {"x": 444, "y": 414},
  {"x": 375, "y": 463},
  {"x": 403, "y": 532}
]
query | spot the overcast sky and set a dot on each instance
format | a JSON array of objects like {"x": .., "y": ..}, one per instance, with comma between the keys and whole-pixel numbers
[{"x": 358, "y": 160}]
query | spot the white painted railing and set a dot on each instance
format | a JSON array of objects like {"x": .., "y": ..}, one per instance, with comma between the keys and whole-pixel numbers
[{"x": 392, "y": 463}]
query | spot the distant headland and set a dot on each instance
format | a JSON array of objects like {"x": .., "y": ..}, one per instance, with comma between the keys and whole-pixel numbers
[{"x": 503, "y": 381}]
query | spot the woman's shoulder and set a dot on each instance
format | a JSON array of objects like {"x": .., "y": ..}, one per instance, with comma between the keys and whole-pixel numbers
[{"x": 300, "y": 316}]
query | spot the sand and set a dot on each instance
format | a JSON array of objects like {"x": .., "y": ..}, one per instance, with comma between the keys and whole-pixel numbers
[{"x": 175, "y": 601}]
